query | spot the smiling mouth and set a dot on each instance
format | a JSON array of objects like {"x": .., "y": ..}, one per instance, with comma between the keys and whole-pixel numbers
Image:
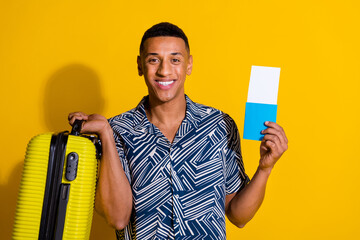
[{"x": 165, "y": 83}]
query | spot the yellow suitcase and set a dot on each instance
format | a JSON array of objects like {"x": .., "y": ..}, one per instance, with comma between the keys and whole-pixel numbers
[{"x": 57, "y": 189}]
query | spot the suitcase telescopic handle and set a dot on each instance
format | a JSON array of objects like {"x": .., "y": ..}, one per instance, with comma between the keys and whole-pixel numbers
[{"x": 77, "y": 127}]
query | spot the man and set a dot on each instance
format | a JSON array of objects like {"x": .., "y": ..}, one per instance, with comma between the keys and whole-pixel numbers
[{"x": 172, "y": 168}]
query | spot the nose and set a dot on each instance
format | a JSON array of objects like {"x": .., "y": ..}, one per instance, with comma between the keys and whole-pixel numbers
[{"x": 164, "y": 68}]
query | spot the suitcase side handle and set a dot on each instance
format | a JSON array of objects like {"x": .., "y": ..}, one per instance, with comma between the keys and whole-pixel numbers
[
  {"x": 76, "y": 131},
  {"x": 77, "y": 127}
]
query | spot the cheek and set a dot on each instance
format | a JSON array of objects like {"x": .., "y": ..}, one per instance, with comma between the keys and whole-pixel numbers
[
  {"x": 151, "y": 70},
  {"x": 147, "y": 66},
  {"x": 181, "y": 71}
]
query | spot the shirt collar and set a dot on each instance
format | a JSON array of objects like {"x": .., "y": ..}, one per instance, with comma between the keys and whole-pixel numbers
[{"x": 192, "y": 117}]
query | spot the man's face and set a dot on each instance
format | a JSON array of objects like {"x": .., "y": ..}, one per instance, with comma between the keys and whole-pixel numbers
[{"x": 165, "y": 62}]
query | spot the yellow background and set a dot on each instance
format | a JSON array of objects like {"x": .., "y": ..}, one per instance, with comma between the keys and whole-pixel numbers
[{"x": 63, "y": 56}]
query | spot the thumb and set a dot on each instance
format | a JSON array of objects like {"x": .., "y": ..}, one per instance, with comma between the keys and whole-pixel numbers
[{"x": 86, "y": 127}]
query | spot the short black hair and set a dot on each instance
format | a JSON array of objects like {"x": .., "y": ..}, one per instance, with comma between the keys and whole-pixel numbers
[{"x": 164, "y": 29}]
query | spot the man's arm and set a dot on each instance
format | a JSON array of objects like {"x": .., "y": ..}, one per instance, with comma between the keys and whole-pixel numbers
[
  {"x": 240, "y": 207},
  {"x": 113, "y": 192}
]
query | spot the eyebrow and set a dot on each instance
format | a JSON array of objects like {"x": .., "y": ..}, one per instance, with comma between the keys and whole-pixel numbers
[
  {"x": 176, "y": 53},
  {"x": 155, "y": 54}
]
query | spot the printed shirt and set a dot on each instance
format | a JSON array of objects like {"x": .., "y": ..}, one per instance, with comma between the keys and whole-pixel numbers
[{"x": 179, "y": 188}]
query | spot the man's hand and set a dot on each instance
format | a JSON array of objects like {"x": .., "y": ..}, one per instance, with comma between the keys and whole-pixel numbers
[
  {"x": 93, "y": 123},
  {"x": 113, "y": 198},
  {"x": 242, "y": 206},
  {"x": 273, "y": 145}
]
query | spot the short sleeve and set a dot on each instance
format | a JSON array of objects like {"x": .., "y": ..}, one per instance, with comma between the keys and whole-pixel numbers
[
  {"x": 236, "y": 177},
  {"x": 119, "y": 144}
]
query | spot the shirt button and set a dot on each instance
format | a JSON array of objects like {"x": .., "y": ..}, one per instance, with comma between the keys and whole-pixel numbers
[{"x": 177, "y": 221}]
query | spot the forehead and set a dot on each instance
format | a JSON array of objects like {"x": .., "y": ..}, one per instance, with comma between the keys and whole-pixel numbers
[{"x": 164, "y": 45}]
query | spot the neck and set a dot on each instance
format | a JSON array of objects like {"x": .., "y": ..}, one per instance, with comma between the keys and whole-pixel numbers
[{"x": 166, "y": 113}]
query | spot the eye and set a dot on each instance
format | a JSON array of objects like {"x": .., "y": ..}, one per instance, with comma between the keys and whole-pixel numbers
[
  {"x": 153, "y": 60},
  {"x": 175, "y": 60}
]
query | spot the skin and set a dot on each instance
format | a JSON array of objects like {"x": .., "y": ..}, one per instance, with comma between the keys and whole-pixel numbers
[
  {"x": 166, "y": 59},
  {"x": 241, "y": 207},
  {"x": 113, "y": 198}
]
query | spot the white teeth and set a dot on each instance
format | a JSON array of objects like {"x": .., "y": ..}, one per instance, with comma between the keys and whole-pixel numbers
[{"x": 165, "y": 83}]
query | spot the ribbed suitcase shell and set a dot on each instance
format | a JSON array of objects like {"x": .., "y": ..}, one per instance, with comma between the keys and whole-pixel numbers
[{"x": 79, "y": 209}]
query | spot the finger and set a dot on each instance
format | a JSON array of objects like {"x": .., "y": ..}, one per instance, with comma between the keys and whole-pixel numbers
[
  {"x": 89, "y": 126},
  {"x": 273, "y": 142},
  {"x": 73, "y": 117},
  {"x": 273, "y": 131},
  {"x": 263, "y": 146},
  {"x": 272, "y": 137},
  {"x": 77, "y": 116},
  {"x": 74, "y": 114},
  {"x": 279, "y": 147},
  {"x": 272, "y": 146},
  {"x": 278, "y": 128}
]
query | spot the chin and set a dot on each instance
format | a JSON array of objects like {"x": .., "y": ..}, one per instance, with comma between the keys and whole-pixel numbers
[{"x": 163, "y": 98}]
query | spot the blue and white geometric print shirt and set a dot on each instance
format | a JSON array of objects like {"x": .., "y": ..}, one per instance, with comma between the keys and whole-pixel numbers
[{"x": 179, "y": 188}]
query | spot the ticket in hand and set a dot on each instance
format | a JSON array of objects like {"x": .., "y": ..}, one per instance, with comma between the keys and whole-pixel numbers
[{"x": 261, "y": 105}]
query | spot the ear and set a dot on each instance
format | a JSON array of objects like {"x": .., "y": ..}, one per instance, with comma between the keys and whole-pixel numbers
[
  {"x": 140, "y": 72},
  {"x": 189, "y": 65}
]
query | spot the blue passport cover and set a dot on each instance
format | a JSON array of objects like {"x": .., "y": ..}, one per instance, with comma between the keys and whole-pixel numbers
[{"x": 256, "y": 114}]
